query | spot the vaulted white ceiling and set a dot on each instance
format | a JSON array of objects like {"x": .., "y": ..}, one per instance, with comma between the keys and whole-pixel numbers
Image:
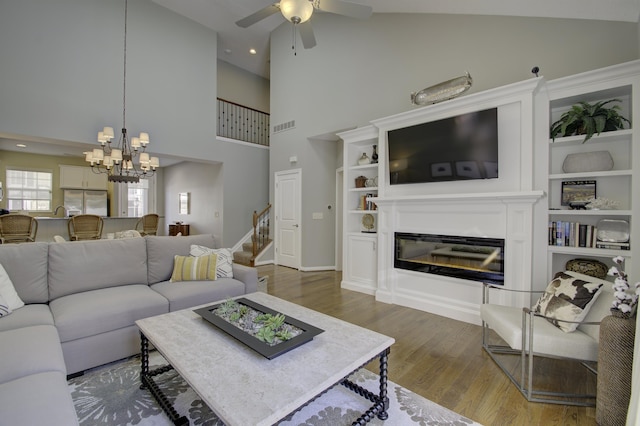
[{"x": 234, "y": 42}]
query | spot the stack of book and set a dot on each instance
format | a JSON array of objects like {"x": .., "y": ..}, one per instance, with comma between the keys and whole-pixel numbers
[
  {"x": 613, "y": 245},
  {"x": 365, "y": 204},
  {"x": 575, "y": 234}
]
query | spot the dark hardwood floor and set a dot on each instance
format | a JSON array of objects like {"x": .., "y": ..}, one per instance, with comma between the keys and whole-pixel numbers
[{"x": 439, "y": 358}]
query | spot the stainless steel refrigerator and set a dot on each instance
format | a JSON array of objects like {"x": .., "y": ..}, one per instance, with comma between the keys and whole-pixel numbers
[{"x": 79, "y": 201}]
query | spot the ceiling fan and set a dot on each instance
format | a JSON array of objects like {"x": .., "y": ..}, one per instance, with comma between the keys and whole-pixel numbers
[{"x": 298, "y": 12}]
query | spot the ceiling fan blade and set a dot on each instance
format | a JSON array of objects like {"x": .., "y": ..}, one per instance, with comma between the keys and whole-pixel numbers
[
  {"x": 352, "y": 10},
  {"x": 258, "y": 16},
  {"x": 306, "y": 34}
]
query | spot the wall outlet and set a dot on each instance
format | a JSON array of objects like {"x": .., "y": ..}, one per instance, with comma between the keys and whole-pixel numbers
[{"x": 317, "y": 216}]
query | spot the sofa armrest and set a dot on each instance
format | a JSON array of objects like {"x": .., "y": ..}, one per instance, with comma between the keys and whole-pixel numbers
[{"x": 248, "y": 275}]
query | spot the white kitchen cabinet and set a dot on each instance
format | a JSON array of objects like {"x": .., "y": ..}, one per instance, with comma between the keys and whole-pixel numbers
[{"x": 78, "y": 177}]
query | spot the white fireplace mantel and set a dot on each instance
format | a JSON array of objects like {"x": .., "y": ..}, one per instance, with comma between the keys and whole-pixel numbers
[
  {"x": 504, "y": 215},
  {"x": 506, "y": 197},
  {"x": 506, "y": 207}
]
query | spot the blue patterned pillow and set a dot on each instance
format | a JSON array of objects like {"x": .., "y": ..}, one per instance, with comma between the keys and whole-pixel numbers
[{"x": 224, "y": 269}]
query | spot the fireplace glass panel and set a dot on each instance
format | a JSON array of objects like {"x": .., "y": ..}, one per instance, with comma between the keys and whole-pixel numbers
[{"x": 472, "y": 258}]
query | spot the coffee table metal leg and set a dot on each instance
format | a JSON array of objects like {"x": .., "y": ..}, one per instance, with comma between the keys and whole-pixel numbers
[
  {"x": 381, "y": 401},
  {"x": 384, "y": 364},
  {"x": 147, "y": 382}
]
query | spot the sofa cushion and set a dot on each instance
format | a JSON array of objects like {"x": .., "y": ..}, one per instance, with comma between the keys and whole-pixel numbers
[
  {"x": 161, "y": 250},
  {"x": 89, "y": 265},
  {"x": 190, "y": 268},
  {"x": 193, "y": 293},
  {"x": 8, "y": 292},
  {"x": 93, "y": 312},
  {"x": 28, "y": 315},
  {"x": 30, "y": 350},
  {"x": 26, "y": 265},
  {"x": 224, "y": 268},
  {"x": 38, "y": 399},
  {"x": 507, "y": 322}
]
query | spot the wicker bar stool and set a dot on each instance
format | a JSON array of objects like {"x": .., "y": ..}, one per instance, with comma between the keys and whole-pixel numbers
[
  {"x": 85, "y": 227},
  {"x": 148, "y": 224},
  {"x": 18, "y": 228}
]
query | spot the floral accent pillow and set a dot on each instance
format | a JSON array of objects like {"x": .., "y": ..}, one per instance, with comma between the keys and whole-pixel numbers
[{"x": 567, "y": 298}]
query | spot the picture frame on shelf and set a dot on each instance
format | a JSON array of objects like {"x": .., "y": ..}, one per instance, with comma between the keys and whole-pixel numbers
[{"x": 577, "y": 191}]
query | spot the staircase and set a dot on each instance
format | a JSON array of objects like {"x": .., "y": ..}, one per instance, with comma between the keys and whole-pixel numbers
[{"x": 260, "y": 239}]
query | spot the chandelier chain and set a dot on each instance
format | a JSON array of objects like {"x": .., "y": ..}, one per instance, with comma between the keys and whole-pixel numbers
[
  {"x": 118, "y": 162},
  {"x": 124, "y": 80}
]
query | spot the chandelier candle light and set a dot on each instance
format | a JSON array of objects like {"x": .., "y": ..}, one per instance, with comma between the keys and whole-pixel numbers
[{"x": 117, "y": 161}]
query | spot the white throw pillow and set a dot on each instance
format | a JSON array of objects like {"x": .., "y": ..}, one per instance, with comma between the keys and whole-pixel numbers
[
  {"x": 8, "y": 292},
  {"x": 224, "y": 268},
  {"x": 4, "y": 307},
  {"x": 568, "y": 297}
]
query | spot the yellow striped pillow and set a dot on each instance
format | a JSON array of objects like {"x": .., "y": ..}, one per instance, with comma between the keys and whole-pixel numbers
[{"x": 191, "y": 268}]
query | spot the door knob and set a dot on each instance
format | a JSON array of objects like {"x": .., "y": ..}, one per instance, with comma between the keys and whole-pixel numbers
[{"x": 295, "y": 226}]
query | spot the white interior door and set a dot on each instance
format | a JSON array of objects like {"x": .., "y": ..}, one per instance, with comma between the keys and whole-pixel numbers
[
  {"x": 339, "y": 213},
  {"x": 288, "y": 211}
]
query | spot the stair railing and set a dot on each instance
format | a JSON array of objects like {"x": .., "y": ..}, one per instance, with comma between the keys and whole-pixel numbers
[
  {"x": 242, "y": 123},
  {"x": 261, "y": 230}
]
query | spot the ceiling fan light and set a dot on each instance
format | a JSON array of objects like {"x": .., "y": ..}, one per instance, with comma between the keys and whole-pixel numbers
[{"x": 296, "y": 11}]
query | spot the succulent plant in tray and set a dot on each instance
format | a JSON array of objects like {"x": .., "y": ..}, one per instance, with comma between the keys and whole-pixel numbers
[{"x": 269, "y": 328}]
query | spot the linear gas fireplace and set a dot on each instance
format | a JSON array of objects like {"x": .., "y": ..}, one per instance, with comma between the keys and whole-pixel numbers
[{"x": 471, "y": 258}]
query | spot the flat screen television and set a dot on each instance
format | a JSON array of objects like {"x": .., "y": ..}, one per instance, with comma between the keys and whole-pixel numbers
[{"x": 463, "y": 147}]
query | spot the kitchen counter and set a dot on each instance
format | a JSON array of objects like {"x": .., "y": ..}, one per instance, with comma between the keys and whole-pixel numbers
[{"x": 50, "y": 226}]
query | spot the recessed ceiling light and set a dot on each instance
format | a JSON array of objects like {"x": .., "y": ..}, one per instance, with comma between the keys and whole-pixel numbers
[
  {"x": 252, "y": 51},
  {"x": 21, "y": 145}
]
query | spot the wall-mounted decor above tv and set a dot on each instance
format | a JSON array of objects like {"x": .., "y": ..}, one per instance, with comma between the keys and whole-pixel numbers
[{"x": 463, "y": 147}]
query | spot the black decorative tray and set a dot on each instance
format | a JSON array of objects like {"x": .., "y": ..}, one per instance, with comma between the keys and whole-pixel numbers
[{"x": 263, "y": 348}]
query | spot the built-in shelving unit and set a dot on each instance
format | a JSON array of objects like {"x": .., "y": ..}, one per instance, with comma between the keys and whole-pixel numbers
[
  {"x": 361, "y": 218},
  {"x": 617, "y": 184}
]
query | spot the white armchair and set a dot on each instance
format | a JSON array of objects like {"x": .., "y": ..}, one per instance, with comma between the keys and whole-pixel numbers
[{"x": 514, "y": 337}]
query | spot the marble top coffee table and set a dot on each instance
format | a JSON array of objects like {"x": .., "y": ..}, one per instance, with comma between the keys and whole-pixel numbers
[{"x": 244, "y": 388}]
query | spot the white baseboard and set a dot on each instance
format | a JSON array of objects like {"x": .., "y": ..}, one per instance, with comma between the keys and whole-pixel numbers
[
  {"x": 317, "y": 268},
  {"x": 361, "y": 288}
]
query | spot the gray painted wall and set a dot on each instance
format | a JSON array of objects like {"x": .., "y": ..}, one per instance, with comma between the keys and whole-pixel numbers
[
  {"x": 62, "y": 72},
  {"x": 360, "y": 71},
  {"x": 243, "y": 87},
  {"x": 235, "y": 186}
]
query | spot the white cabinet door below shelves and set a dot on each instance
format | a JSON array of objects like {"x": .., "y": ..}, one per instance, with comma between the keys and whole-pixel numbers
[{"x": 361, "y": 257}]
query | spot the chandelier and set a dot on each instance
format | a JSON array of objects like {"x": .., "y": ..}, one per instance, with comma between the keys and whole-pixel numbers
[{"x": 118, "y": 161}]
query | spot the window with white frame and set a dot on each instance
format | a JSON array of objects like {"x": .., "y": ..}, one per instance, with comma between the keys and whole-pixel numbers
[
  {"x": 138, "y": 198},
  {"x": 28, "y": 190}
]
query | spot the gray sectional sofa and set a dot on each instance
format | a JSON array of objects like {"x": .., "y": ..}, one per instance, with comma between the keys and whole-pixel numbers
[{"x": 81, "y": 303}]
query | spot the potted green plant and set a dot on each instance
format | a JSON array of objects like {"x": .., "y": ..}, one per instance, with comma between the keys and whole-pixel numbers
[{"x": 588, "y": 119}]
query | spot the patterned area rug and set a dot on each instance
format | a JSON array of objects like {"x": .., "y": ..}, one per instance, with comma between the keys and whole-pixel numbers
[{"x": 111, "y": 396}]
